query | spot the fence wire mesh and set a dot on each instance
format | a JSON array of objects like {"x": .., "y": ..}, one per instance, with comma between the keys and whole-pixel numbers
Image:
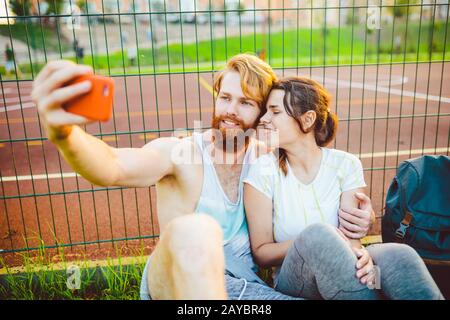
[{"x": 384, "y": 62}]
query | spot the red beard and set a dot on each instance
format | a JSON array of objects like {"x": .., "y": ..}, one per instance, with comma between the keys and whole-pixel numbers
[
  {"x": 229, "y": 133},
  {"x": 216, "y": 122}
]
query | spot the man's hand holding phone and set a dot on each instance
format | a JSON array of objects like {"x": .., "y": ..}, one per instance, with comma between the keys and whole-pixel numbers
[{"x": 64, "y": 86}]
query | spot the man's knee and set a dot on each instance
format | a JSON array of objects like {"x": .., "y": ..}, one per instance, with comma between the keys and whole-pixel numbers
[
  {"x": 189, "y": 251},
  {"x": 189, "y": 241},
  {"x": 192, "y": 229},
  {"x": 196, "y": 240}
]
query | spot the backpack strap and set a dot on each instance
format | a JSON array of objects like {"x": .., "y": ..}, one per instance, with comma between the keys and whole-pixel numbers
[
  {"x": 434, "y": 262},
  {"x": 404, "y": 225}
]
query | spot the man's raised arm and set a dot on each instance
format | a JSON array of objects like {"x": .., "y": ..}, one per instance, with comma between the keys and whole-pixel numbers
[{"x": 92, "y": 158}]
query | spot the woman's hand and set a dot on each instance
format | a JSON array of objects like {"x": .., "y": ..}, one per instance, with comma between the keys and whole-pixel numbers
[
  {"x": 356, "y": 222},
  {"x": 364, "y": 265}
]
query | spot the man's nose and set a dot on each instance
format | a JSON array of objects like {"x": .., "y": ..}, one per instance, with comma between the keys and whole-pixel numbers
[{"x": 232, "y": 108}]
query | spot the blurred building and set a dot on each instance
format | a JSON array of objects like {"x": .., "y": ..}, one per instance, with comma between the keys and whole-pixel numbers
[{"x": 305, "y": 13}]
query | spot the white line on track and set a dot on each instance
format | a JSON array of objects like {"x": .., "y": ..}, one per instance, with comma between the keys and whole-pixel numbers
[
  {"x": 66, "y": 175},
  {"x": 25, "y": 105},
  {"x": 382, "y": 89}
]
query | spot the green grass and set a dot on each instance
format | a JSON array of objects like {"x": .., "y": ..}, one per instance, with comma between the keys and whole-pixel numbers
[
  {"x": 302, "y": 47},
  {"x": 44, "y": 279},
  {"x": 37, "y": 36},
  {"x": 291, "y": 48}
]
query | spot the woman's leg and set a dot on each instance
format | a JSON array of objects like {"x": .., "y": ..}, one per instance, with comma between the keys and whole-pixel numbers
[
  {"x": 320, "y": 264},
  {"x": 403, "y": 274}
]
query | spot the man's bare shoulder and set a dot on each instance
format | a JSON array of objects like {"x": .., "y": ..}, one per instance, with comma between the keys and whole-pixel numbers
[
  {"x": 168, "y": 143},
  {"x": 180, "y": 151}
]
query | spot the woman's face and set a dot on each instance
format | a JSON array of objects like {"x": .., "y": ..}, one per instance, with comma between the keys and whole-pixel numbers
[{"x": 277, "y": 128}]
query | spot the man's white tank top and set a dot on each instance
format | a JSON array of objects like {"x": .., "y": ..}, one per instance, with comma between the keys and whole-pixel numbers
[{"x": 214, "y": 202}]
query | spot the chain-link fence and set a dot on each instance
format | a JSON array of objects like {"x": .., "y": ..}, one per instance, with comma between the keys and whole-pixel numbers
[{"x": 384, "y": 62}]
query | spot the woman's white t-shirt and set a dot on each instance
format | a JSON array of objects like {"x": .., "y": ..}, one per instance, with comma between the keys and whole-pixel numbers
[{"x": 296, "y": 205}]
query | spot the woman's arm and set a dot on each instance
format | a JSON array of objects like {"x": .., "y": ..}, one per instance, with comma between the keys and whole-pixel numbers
[
  {"x": 353, "y": 223},
  {"x": 266, "y": 252},
  {"x": 350, "y": 203}
]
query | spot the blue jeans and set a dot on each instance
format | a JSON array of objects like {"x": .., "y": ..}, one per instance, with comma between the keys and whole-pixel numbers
[{"x": 320, "y": 265}]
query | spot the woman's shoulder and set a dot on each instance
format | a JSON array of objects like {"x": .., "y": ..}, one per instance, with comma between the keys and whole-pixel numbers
[
  {"x": 265, "y": 164},
  {"x": 266, "y": 159},
  {"x": 340, "y": 156}
]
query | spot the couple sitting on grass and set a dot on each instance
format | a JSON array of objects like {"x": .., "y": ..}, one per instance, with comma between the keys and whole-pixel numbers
[{"x": 226, "y": 208}]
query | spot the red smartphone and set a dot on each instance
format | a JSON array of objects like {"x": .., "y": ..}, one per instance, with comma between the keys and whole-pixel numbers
[{"x": 97, "y": 103}]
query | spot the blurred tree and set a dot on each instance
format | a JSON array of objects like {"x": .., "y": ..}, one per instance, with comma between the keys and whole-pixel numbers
[
  {"x": 241, "y": 8},
  {"x": 402, "y": 8},
  {"x": 401, "y": 12},
  {"x": 82, "y": 4},
  {"x": 20, "y": 7},
  {"x": 55, "y": 6},
  {"x": 158, "y": 6},
  {"x": 224, "y": 7}
]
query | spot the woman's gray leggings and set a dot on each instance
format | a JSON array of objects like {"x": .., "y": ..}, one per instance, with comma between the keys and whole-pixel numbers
[{"x": 321, "y": 265}]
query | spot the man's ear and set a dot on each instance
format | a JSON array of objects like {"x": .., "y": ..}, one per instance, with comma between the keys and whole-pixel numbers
[{"x": 308, "y": 119}]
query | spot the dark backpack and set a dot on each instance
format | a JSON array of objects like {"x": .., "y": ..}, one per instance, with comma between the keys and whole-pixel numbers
[{"x": 417, "y": 212}]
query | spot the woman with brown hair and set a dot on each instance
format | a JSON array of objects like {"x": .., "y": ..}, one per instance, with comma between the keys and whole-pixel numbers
[{"x": 297, "y": 200}]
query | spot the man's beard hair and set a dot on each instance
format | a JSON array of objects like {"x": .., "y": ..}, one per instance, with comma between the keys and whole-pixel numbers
[{"x": 230, "y": 137}]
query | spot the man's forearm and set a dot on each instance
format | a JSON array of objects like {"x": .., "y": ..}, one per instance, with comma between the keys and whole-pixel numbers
[{"x": 88, "y": 156}]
